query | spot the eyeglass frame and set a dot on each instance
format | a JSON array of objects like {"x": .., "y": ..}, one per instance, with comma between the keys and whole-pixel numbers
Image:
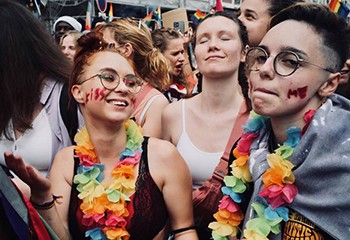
[
  {"x": 101, "y": 81},
  {"x": 299, "y": 61}
]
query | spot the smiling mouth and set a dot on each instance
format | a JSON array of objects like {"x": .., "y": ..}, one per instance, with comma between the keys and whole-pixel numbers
[{"x": 118, "y": 103}]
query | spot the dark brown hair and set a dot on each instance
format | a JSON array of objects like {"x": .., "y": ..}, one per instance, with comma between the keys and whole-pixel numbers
[{"x": 28, "y": 55}]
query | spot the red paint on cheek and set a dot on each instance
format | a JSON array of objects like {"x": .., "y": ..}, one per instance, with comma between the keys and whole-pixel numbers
[
  {"x": 89, "y": 95},
  {"x": 102, "y": 94},
  {"x": 292, "y": 93},
  {"x": 97, "y": 93},
  {"x": 301, "y": 92}
]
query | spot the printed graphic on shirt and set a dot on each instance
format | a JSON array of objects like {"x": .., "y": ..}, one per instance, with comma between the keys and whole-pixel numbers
[{"x": 300, "y": 228}]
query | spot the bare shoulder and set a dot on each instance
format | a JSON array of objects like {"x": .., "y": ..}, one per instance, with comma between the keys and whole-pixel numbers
[
  {"x": 173, "y": 109},
  {"x": 163, "y": 153},
  {"x": 64, "y": 155},
  {"x": 63, "y": 164},
  {"x": 163, "y": 158}
]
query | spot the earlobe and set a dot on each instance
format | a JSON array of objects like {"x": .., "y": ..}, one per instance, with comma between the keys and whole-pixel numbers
[
  {"x": 330, "y": 85},
  {"x": 78, "y": 94}
]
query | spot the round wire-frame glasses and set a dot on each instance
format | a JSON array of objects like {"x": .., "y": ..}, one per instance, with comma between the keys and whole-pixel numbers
[
  {"x": 110, "y": 80},
  {"x": 285, "y": 63}
]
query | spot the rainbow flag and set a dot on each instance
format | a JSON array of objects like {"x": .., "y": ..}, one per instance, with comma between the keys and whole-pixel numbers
[
  {"x": 148, "y": 19},
  {"x": 110, "y": 13},
  {"x": 197, "y": 17},
  {"x": 88, "y": 16},
  {"x": 334, "y": 5},
  {"x": 158, "y": 17},
  {"x": 339, "y": 7},
  {"x": 343, "y": 10}
]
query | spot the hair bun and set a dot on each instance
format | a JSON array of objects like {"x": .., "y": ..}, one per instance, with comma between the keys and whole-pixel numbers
[{"x": 92, "y": 41}]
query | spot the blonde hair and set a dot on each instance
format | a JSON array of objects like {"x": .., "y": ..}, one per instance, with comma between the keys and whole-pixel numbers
[
  {"x": 75, "y": 34},
  {"x": 149, "y": 62}
]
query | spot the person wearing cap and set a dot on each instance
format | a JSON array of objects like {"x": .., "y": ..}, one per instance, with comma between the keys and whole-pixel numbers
[{"x": 64, "y": 24}]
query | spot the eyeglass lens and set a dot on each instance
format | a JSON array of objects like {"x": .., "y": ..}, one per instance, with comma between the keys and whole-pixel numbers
[
  {"x": 111, "y": 80},
  {"x": 285, "y": 63}
]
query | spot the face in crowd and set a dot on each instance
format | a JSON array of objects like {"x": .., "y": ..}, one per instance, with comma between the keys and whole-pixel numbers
[{"x": 289, "y": 74}]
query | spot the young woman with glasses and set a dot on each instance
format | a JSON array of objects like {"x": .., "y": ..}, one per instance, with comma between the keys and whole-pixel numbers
[
  {"x": 115, "y": 183},
  {"x": 293, "y": 158},
  {"x": 133, "y": 39}
]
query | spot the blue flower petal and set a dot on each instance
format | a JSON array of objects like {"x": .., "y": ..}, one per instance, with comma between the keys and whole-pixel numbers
[
  {"x": 84, "y": 169},
  {"x": 127, "y": 153},
  {"x": 293, "y": 137},
  {"x": 283, "y": 212},
  {"x": 255, "y": 123},
  {"x": 226, "y": 190},
  {"x": 95, "y": 234},
  {"x": 271, "y": 214}
]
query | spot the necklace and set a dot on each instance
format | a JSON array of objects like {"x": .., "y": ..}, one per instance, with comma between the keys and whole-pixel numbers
[
  {"x": 104, "y": 208},
  {"x": 278, "y": 185}
]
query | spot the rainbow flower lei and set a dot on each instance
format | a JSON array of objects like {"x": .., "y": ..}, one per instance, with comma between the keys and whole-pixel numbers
[
  {"x": 278, "y": 189},
  {"x": 104, "y": 207}
]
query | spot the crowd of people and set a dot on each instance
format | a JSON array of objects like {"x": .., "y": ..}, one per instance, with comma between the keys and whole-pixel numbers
[{"x": 108, "y": 135}]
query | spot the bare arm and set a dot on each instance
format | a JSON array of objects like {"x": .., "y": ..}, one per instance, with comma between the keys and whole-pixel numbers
[
  {"x": 152, "y": 125},
  {"x": 172, "y": 122},
  {"x": 170, "y": 171},
  {"x": 41, "y": 192}
]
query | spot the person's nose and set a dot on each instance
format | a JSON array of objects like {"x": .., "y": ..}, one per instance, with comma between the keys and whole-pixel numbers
[
  {"x": 181, "y": 57},
  {"x": 213, "y": 44},
  {"x": 267, "y": 70}
]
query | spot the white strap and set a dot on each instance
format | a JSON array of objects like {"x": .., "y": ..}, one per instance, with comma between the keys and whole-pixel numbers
[{"x": 145, "y": 109}]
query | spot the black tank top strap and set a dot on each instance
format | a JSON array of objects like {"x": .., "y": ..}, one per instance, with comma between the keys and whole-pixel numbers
[
  {"x": 74, "y": 205},
  {"x": 144, "y": 158}
]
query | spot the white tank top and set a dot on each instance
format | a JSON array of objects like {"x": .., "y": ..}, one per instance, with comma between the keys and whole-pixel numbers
[
  {"x": 34, "y": 146},
  {"x": 200, "y": 163}
]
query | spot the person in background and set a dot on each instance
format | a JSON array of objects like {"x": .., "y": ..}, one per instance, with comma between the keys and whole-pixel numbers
[
  {"x": 344, "y": 84},
  {"x": 69, "y": 43},
  {"x": 294, "y": 155},
  {"x": 33, "y": 71},
  {"x": 200, "y": 126},
  {"x": 174, "y": 46},
  {"x": 116, "y": 184},
  {"x": 64, "y": 24},
  {"x": 133, "y": 39},
  {"x": 256, "y": 14}
]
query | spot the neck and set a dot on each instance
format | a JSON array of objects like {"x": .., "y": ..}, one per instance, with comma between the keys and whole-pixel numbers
[
  {"x": 220, "y": 95},
  {"x": 108, "y": 143}
]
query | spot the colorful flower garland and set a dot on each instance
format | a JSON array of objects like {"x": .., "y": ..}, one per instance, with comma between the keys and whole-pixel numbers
[
  {"x": 278, "y": 190},
  {"x": 104, "y": 207}
]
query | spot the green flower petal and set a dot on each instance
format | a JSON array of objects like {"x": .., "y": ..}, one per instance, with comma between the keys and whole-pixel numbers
[
  {"x": 216, "y": 236},
  {"x": 284, "y": 151},
  {"x": 80, "y": 179},
  {"x": 259, "y": 209},
  {"x": 240, "y": 187},
  {"x": 114, "y": 196},
  {"x": 259, "y": 226}
]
